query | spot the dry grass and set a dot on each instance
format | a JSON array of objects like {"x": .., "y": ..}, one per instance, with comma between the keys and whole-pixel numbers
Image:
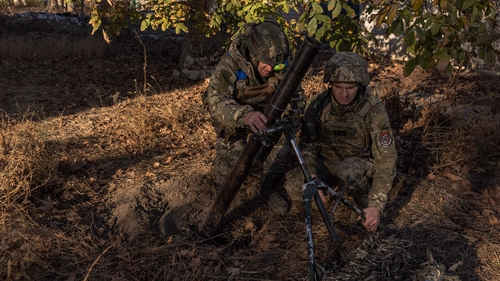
[
  {"x": 27, "y": 162},
  {"x": 27, "y": 159}
]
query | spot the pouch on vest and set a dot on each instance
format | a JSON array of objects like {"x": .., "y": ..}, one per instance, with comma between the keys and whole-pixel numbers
[{"x": 254, "y": 95}]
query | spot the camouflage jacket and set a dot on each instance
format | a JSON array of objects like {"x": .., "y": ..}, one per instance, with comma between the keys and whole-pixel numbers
[
  {"x": 224, "y": 99},
  {"x": 336, "y": 132}
]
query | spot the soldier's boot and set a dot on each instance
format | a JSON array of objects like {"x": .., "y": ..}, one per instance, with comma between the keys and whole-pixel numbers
[{"x": 269, "y": 192}]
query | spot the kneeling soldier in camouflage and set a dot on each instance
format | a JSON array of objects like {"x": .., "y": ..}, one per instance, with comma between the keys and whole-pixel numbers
[
  {"x": 347, "y": 136},
  {"x": 240, "y": 88}
]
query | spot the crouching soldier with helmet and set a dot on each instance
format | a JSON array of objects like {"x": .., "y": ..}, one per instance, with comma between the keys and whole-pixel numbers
[
  {"x": 239, "y": 90},
  {"x": 348, "y": 138}
]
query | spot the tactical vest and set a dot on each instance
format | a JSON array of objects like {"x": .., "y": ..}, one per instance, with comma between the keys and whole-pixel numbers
[
  {"x": 346, "y": 135},
  {"x": 256, "y": 96}
]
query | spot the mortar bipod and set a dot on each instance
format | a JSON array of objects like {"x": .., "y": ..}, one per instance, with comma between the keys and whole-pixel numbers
[{"x": 309, "y": 192}]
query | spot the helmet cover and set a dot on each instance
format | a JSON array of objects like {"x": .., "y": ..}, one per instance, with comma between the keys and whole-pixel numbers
[
  {"x": 267, "y": 42},
  {"x": 347, "y": 67}
]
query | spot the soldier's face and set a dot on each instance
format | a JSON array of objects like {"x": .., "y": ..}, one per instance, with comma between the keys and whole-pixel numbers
[
  {"x": 264, "y": 69},
  {"x": 344, "y": 93}
]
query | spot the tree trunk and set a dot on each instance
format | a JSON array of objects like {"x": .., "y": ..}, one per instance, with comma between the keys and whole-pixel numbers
[{"x": 193, "y": 40}]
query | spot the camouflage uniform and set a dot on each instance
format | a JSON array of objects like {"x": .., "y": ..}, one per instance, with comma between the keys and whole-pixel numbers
[
  {"x": 236, "y": 88},
  {"x": 354, "y": 140}
]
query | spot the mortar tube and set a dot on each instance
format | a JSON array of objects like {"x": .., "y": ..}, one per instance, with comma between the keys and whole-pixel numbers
[{"x": 273, "y": 111}]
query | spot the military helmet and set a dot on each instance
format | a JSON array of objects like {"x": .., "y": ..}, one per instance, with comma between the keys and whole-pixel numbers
[
  {"x": 347, "y": 67},
  {"x": 267, "y": 43}
]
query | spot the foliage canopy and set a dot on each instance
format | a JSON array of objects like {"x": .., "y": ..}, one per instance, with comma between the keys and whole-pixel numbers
[{"x": 435, "y": 33}]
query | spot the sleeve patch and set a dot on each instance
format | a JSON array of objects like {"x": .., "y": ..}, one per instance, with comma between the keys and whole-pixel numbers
[
  {"x": 223, "y": 82},
  {"x": 385, "y": 139}
]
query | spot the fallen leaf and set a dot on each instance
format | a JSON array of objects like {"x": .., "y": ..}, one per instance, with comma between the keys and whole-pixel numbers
[
  {"x": 493, "y": 220},
  {"x": 495, "y": 192},
  {"x": 466, "y": 184},
  {"x": 249, "y": 225},
  {"x": 492, "y": 202},
  {"x": 453, "y": 177},
  {"x": 487, "y": 212},
  {"x": 477, "y": 214},
  {"x": 450, "y": 225},
  {"x": 486, "y": 195}
]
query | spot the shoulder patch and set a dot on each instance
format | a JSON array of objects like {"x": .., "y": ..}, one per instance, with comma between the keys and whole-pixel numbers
[{"x": 385, "y": 139}]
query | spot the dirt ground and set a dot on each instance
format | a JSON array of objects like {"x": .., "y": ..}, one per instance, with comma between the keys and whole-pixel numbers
[{"x": 133, "y": 181}]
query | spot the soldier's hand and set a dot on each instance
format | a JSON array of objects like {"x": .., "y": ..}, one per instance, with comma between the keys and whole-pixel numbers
[
  {"x": 372, "y": 219},
  {"x": 256, "y": 120}
]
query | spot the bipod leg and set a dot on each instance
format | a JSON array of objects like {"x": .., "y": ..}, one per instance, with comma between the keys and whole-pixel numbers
[
  {"x": 309, "y": 190},
  {"x": 326, "y": 219}
]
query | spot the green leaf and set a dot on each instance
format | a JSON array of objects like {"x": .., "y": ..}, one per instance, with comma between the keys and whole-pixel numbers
[
  {"x": 441, "y": 52},
  {"x": 409, "y": 38},
  {"x": 428, "y": 22},
  {"x": 410, "y": 48},
  {"x": 409, "y": 67},
  {"x": 420, "y": 32},
  {"x": 317, "y": 8},
  {"x": 320, "y": 33},
  {"x": 467, "y": 4},
  {"x": 435, "y": 28},
  {"x": 312, "y": 26},
  {"x": 336, "y": 11},
  {"x": 392, "y": 13},
  {"x": 476, "y": 14},
  {"x": 183, "y": 27},
  {"x": 461, "y": 56},
  {"x": 323, "y": 18},
  {"x": 145, "y": 24},
  {"x": 165, "y": 25},
  {"x": 416, "y": 4},
  {"x": 286, "y": 8},
  {"x": 331, "y": 4},
  {"x": 482, "y": 27},
  {"x": 349, "y": 11},
  {"x": 398, "y": 27},
  {"x": 422, "y": 61},
  {"x": 303, "y": 17},
  {"x": 490, "y": 56}
]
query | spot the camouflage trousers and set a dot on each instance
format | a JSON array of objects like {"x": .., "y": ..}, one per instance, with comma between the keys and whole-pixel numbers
[
  {"x": 271, "y": 161},
  {"x": 358, "y": 170}
]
